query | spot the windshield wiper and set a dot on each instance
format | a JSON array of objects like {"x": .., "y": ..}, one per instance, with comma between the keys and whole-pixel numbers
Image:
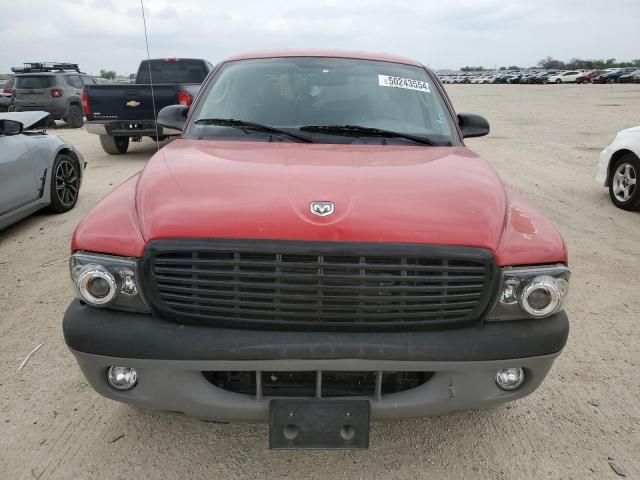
[
  {"x": 231, "y": 122},
  {"x": 364, "y": 131}
]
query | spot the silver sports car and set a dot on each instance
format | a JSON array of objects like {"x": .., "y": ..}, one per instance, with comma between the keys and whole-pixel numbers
[{"x": 36, "y": 170}]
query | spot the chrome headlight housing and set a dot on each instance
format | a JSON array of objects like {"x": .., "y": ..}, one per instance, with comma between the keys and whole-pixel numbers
[
  {"x": 535, "y": 292},
  {"x": 106, "y": 281}
]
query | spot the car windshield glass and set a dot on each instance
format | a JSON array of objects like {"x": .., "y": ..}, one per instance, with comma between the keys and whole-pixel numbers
[
  {"x": 172, "y": 71},
  {"x": 34, "y": 81},
  {"x": 297, "y": 92}
]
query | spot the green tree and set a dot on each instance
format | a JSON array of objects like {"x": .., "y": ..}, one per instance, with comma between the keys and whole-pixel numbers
[
  {"x": 551, "y": 63},
  {"x": 110, "y": 74}
]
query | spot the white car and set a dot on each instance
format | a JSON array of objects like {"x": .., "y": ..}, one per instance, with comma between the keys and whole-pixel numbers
[
  {"x": 565, "y": 77},
  {"x": 619, "y": 167}
]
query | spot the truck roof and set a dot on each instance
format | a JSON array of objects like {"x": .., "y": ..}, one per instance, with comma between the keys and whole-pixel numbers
[{"x": 381, "y": 57}]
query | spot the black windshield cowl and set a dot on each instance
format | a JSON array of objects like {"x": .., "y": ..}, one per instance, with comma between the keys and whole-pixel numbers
[
  {"x": 358, "y": 130},
  {"x": 231, "y": 122}
]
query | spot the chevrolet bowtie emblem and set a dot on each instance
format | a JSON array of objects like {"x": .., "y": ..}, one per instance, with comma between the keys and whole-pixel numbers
[{"x": 133, "y": 103}]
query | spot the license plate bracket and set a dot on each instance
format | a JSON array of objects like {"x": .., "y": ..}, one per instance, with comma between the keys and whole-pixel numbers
[{"x": 319, "y": 424}]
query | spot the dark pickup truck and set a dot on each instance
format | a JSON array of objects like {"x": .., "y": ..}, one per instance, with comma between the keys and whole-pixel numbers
[{"x": 120, "y": 113}]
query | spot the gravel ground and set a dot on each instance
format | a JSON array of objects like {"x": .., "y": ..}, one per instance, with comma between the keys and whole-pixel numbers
[{"x": 544, "y": 142}]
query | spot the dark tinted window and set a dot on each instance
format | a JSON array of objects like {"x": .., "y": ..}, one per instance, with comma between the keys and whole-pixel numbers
[
  {"x": 74, "y": 81},
  {"x": 172, "y": 71},
  {"x": 87, "y": 80},
  {"x": 35, "y": 81}
]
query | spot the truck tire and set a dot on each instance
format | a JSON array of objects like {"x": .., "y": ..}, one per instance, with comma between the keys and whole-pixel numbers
[
  {"x": 65, "y": 183},
  {"x": 74, "y": 117},
  {"x": 624, "y": 188},
  {"x": 114, "y": 145}
]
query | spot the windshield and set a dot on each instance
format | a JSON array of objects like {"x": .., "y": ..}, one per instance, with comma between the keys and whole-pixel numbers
[
  {"x": 172, "y": 71},
  {"x": 298, "y": 92}
]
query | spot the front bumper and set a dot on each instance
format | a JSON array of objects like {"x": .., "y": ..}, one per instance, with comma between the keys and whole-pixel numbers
[{"x": 171, "y": 357}]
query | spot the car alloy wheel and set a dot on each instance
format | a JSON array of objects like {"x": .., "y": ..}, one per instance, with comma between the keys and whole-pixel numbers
[
  {"x": 624, "y": 182},
  {"x": 67, "y": 183}
]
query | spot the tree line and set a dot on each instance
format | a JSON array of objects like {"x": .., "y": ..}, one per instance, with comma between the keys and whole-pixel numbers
[{"x": 588, "y": 63}]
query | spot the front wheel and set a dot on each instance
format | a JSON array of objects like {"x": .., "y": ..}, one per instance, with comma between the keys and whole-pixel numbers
[
  {"x": 114, "y": 145},
  {"x": 558, "y": 81},
  {"x": 65, "y": 183},
  {"x": 623, "y": 183}
]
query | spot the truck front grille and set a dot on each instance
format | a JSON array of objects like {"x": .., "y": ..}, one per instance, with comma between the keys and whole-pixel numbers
[
  {"x": 317, "y": 285},
  {"x": 317, "y": 384}
]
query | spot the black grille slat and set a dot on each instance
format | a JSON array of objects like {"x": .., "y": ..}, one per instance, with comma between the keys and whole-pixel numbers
[
  {"x": 326, "y": 312},
  {"x": 302, "y": 297},
  {"x": 244, "y": 263},
  {"x": 320, "y": 276},
  {"x": 355, "y": 286},
  {"x": 309, "y": 286},
  {"x": 396, "y": 305}
]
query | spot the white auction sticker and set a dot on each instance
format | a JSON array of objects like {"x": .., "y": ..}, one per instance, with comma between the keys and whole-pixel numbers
[{"x": 406, "y": 83}]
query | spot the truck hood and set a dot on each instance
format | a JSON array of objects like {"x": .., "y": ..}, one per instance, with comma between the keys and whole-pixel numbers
[{"x": 381, "y": 193}]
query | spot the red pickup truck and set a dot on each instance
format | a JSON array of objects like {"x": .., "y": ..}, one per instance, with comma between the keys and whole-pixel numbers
[{"x": 317, "y": 250}]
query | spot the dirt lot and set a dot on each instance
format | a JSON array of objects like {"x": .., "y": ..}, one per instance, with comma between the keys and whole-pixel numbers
[{"x": 545, "y": 142}]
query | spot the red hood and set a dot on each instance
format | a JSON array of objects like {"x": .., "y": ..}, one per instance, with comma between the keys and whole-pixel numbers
[
  {"x": 206, "y": 189},
  {"x": 402, "y": 194}
]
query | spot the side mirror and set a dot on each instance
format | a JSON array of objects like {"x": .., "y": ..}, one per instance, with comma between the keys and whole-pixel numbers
[
  {"x": 10, "y": 127},
  {"x": 173, "y": 116},
  {"x": 473, "y": 125}
]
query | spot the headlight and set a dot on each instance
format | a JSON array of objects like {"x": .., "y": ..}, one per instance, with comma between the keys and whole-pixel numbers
[
  {"x": 537, "y": 292},
  {"x": 106, "y": 281}
]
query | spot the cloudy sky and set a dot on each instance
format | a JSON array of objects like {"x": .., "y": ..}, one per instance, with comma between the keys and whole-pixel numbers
[{"x": 441, "y": 33}]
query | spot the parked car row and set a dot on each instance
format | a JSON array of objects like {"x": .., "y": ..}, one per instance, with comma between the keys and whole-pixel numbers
[{"x": 609, "y": 75}]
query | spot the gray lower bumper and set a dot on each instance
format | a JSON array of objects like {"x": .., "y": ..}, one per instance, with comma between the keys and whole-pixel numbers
[{"x": 179, "y": 386}]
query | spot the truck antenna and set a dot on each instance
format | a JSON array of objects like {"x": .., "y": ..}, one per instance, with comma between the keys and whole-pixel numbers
[{"x": 153, "y": 97}]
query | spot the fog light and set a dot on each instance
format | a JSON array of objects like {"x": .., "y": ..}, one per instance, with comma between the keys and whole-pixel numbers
[
  {"x": 122, "y": 378},
  {"x": 510, "y": 378}
]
